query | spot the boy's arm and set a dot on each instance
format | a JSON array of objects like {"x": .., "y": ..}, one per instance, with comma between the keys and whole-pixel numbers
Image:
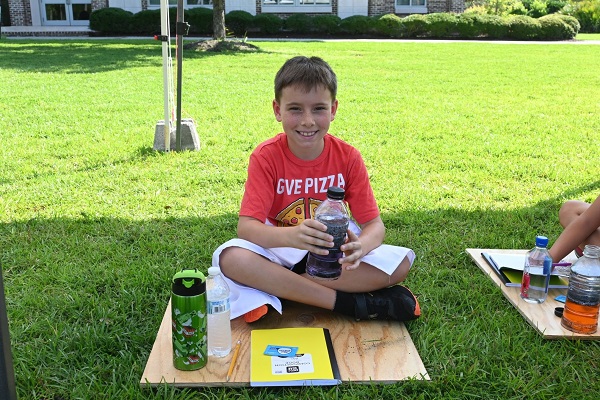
[
  {"x": 372, "y": 234},
  {"x": 307, "y": 236},
  {"x": 371, "y": 237},
  {"x": 577, "y": 231}
]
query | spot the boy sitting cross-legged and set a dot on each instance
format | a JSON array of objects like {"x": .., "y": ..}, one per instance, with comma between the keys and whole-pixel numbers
[{"x": 288, "y": 175}]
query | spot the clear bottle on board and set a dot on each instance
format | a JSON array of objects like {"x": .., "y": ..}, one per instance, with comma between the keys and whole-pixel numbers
[
  {"x": 583, "y": 297},
  {"x": 536, "y": 272},
  {"x": 219, "y": 324}
]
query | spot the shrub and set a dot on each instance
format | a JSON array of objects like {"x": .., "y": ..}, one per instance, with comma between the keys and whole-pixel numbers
[
  {"x": 476, "y": 9},
  {"x": 554, "y": 6},
  {"x": 268, "y": 23},
  {"x": 441, "y": 25},
  {"x": 299, "y": 23},
  {"x": 110, "y": 20},
  {"x": 200, "y": 20},
  {"x": 570, "y": 21},
  {"x": 173, "y": 20},
  {"x": 587, "y": 13},
  {"x": 147, "y": 22},
  {"x": 238, "y": 21},
  {"x": 329, "y": 24},
  {"x": 389, "y": 25},
  {"x": 554, "y": 28},
  {"x": 521, "y": 27},
  {"x": 494, "y": 26},
  {"x": 357, "y": 24},
  {"x": 498, "y": 7},
  {"x": 518, "y": 8},
  {"x": 537, "y": 9},
  {"x": 469, "y": 25},
  {"x": 415, "y": 25}
]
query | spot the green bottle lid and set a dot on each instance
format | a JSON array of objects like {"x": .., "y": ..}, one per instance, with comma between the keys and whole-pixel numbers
[{"x": 189, "y": 282}]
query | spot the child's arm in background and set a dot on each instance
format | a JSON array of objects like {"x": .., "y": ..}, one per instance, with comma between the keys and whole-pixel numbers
[{"x": 582, "y": 222}]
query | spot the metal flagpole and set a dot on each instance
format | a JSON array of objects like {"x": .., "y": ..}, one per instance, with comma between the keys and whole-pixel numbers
[
  {"x": 182, "y": 29},
  {"x": 166, "y": 54},
  {"x": 8, "y": 389}
]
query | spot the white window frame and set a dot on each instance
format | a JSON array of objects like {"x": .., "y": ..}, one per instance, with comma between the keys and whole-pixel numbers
[
  {"x": 296, "y": 6},
  {"x": 413, "y": 8},
  {"x": 173, "y": 3}
]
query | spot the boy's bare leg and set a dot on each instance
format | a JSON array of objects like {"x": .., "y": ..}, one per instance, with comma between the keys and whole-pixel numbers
[
  {"x": 366, "y": 278},
  {"x": 253, "y": 270},
  {"x": 572, "y": 210}
]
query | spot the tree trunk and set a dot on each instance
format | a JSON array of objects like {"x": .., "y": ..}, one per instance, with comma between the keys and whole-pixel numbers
[{"x": 219, "y": 19}]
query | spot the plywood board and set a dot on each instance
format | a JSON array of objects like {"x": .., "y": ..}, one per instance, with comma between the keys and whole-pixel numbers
[
  {"x": 366, "y": 351},
  {"x": 540, "y": 316}
]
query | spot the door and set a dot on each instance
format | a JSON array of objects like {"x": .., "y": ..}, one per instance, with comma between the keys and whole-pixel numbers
[{"x": 66, "y": 12}]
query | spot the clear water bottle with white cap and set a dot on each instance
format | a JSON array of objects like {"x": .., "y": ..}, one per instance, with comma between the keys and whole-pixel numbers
[{"x": 219, "y": 324}]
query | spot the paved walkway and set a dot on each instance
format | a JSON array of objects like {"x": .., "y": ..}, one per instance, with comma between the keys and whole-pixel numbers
[
  {"x": 44, "y": 31},
  {"x": 82, "y": 32}
]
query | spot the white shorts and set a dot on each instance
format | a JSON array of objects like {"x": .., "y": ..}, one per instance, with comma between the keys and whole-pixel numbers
[{"x": 244, "y": 298}]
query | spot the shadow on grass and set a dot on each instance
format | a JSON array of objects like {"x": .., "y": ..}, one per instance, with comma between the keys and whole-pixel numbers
[
  {"x": 85, "y": 296},
  {"x": 141, "y": 153},
  {"x": 91, "y": 56}
]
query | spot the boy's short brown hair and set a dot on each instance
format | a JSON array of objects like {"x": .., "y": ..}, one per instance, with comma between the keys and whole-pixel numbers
[{"x": 306, "y": 73}]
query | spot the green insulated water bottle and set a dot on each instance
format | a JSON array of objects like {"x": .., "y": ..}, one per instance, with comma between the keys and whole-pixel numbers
[{"x": 188, "y": 319}]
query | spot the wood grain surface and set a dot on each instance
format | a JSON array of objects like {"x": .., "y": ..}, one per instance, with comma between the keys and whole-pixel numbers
[
  {"x": 366, "y": 351},
  {"x": 540, "y": 316}
]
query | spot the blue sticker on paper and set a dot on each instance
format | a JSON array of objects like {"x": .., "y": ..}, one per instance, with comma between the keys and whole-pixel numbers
[{"x": 281, "y": 351}]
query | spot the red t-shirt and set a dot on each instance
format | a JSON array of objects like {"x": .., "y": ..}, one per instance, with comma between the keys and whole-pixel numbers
[{"x": 286, "y": 190}]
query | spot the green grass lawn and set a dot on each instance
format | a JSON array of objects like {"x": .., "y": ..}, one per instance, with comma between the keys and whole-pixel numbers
[
  {"x": 588, "y": 36},
  {"x": 467, "y": 144}
]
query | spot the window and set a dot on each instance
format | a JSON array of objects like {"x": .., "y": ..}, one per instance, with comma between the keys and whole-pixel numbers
[
  {"x": 296, "y": 2},
  {"x": 156, "y": 3},
  {"x": 410, "y": 2},
  {"x": 296, "y": 6},
  {"x": 411, "y": 6}
]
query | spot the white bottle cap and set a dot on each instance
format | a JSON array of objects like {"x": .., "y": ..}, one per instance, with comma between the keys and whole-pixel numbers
[{"x": 214, "y": 271}]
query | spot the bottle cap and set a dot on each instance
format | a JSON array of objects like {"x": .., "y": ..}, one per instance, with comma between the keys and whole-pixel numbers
[
  {"x": 591, "y": 250},
  {"x": 541, "y": 241},
  {"x": 336, "y": 193},
  {"x": 214, "y": 271}
]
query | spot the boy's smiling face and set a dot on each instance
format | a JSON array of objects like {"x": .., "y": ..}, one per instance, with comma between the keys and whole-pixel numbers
[{"x": 305, "y": 117}]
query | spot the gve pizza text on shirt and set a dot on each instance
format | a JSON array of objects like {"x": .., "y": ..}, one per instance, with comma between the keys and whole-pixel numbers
[{"x": 309, "y": 185}]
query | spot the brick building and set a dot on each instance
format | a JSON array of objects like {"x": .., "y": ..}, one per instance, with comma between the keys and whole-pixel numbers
[{"x": 76, "y": 12}]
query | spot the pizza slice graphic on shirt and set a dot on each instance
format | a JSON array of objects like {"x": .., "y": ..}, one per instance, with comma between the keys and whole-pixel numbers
[
  {"x": 312, "y": 206},
  {"x": 294, "y": 214}
]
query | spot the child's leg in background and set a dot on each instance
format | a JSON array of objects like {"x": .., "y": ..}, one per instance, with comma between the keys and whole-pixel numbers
[{"x": 572, "y": 210}]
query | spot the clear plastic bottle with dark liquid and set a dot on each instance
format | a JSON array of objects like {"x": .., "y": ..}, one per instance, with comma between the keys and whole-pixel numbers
[
  {"x": 334, "y": 214},
  {"x": 583, "y": 297}
]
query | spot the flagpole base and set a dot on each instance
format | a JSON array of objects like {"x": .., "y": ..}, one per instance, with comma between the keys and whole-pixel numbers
[{"x": 189, "y": 136}]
